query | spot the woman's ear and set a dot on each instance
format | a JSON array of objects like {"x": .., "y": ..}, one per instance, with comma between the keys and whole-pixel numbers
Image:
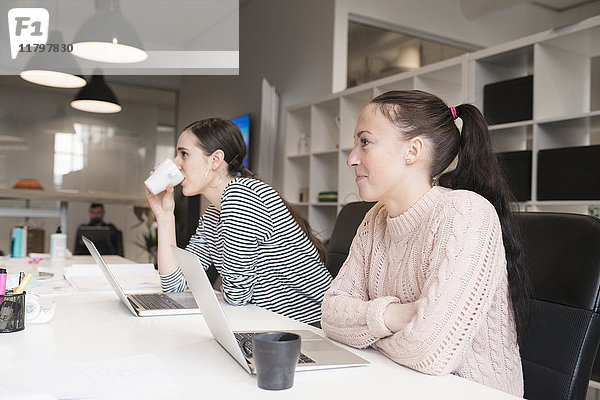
[
  {"x": 415, "y": 150},
  {"x": 216, "y": 159}
]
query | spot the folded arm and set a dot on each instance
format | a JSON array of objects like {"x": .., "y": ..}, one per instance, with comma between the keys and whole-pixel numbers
[{"x": 466, "y": 267}]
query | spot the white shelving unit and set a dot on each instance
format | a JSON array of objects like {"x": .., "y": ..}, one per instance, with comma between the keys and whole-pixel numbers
[{"x": 564, "y": 62}]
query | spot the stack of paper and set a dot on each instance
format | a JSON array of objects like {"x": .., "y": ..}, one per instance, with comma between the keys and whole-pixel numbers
[{"x": 131, "y": 277}]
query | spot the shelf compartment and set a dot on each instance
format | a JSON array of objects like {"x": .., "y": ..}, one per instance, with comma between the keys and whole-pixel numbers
[
  {"x": 579, "y": 131},
  {"x": 295, "y": 177},
  {"x": 298, "y": 123},
  {"x": 325, "y": 126},
  {"x": 323, "y": 175},
  {"x": 562, "y": 84},
  {"x": 512, "y": 137},
  {"x": 500, "y": 67}
]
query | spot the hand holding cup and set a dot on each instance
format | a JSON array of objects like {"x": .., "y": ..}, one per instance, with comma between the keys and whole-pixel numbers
[{"x": 165, "y": 174}]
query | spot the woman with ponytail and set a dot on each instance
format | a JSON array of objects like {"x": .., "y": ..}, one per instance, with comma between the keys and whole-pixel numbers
[
  {"x": 262, "y": 248},
  {"x": 435, "y": 278}
]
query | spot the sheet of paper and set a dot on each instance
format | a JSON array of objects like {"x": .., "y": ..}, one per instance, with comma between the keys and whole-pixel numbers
[
  {"x": 130, "y": 276},
  {"x": 139, "y": 376},
  {"x": 142, "y": 376},
  {"x": 27, "y": 396}
]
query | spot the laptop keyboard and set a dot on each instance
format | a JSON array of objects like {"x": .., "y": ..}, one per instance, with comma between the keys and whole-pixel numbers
[
  {"x": 303, "y": 359},
  {"x": 155, "y": 301}
]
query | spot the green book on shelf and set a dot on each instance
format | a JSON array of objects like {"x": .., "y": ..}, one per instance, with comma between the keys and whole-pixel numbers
[{"x": 330, "y": 197}]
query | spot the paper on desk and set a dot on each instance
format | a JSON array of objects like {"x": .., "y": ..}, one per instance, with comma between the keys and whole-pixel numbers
[
  {"x": 27, "y": 396},
  {"x": 130, "y": 276},
  {"x": 141, "y": 376}
]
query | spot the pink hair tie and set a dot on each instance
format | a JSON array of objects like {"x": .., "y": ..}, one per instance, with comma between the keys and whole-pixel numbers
[{"x": 453, "y": 111}]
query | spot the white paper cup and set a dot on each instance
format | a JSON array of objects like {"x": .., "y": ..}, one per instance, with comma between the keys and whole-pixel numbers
[{"x": 165, "y": 174}]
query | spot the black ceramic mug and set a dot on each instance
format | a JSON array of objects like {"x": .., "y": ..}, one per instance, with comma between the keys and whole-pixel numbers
[{"x": 275, "y": 356}]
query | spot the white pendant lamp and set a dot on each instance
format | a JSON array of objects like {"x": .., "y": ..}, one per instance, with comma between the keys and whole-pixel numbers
[
  {"x": 55, "y": 68},
  {"x": 96, "y": 97},
  {"x": 108, "y": 37}
]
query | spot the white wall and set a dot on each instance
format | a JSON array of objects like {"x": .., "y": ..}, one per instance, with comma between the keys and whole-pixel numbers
[{"x": 288, "y": 41}]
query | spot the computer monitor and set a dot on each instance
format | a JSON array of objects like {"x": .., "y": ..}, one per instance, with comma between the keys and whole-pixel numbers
[
  {"x": 99, "y": 235},
  {"x": 516, "y": 166},
  {"x": 243, "y": 122}
]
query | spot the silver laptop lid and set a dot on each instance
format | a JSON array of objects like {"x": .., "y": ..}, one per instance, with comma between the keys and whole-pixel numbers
[
  {"x": 209, "y": 304},
  {"x": 108, "y": 274}
]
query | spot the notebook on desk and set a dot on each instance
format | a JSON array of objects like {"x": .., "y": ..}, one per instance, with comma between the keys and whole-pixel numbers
[
  {"x": 317, "y": 351},
  {"x": 145, "y": 304}
]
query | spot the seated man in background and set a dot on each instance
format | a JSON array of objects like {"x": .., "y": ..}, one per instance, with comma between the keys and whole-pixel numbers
[{"x": 107, "y": 238}]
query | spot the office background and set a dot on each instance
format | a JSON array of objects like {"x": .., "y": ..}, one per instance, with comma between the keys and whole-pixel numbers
[{"x": 299, "y": 46}]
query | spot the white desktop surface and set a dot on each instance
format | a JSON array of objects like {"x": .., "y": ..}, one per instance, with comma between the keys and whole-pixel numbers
[
  {"x": 14, "y": 264},
  {"x": 96, "y": 326}
]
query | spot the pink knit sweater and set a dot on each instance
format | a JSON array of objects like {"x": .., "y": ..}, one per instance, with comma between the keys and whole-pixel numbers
[{"x": 446, "y": 255}]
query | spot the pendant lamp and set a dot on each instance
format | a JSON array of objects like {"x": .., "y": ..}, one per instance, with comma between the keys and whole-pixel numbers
[
  {"x": 96, "y": 97},
  {"x": 108, "y": 37},
  {"x": 54, "y": 68}
]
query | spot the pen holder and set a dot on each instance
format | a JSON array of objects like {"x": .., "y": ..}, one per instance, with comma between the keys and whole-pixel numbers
[{"x": 12, "y": 312}]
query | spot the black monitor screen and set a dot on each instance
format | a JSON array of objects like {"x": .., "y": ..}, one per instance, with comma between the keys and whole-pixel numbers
[{"x": 99, "y": 235}]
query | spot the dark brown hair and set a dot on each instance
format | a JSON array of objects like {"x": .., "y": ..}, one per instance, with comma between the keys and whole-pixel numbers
[
  {"x": 418, "y": 113},
  {"x": 220, "y": 134}
]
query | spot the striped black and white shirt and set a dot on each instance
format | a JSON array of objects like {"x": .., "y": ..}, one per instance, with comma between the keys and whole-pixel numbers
[{"x": 263, "y": 256}]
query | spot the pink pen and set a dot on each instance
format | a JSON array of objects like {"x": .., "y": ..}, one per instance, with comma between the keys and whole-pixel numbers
[{"x": 2, "y": 284}]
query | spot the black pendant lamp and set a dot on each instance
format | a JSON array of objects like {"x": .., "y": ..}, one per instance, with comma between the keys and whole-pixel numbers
[{"x": 96, "y": 97}]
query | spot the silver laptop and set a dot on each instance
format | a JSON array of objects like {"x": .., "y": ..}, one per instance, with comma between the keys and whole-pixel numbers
[
  {"x": 317, "y": 351},
  {"x": 146, "y": 304}
]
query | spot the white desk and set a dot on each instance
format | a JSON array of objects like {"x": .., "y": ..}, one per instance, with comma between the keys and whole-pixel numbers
[
  {"x": 97, "y": 326},
  {"x": 57, "y": 285}
]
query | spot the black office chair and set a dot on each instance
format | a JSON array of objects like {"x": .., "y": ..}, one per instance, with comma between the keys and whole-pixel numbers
[
  {"x": 562, "y": 255},
  {"x": 346, "y": 224}
]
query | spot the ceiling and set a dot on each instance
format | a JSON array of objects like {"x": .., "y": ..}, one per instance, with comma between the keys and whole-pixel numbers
[
  {"x": 473, "y": 9},
  {"x": 562, "y": 5}
]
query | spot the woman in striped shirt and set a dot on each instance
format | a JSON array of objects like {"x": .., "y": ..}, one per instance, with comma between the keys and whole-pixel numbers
[{"x": 263, "y": 249}]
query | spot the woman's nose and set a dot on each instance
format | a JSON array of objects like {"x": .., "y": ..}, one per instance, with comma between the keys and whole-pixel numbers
[
  {"x": 352, "y": 160},
  {"x": 177, "y": 161}
]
